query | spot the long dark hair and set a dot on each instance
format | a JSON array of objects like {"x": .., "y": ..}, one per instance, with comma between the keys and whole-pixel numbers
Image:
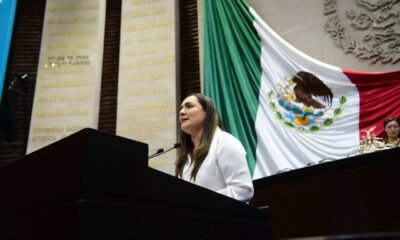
[{"x": 211, "y": 122}]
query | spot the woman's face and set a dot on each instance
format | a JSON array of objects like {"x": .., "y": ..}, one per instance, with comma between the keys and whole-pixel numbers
[
  {"x": 392, "y": 129},
  {"x": 191, "y": 116}
]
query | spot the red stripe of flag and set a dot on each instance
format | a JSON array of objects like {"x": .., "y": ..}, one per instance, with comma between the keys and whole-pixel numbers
[{"x": 379, "y": 98}]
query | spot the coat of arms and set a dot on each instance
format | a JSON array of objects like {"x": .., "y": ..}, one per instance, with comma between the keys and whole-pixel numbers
[{"x": 304, "y": 103}]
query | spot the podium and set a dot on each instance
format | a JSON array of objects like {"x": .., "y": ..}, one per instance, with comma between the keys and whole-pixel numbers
[
  {"x": 92, "y": 185},
  {"x": 351, "y": 198}
]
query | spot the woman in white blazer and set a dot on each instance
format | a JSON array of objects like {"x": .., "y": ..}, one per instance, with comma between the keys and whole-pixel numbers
[{"x": 209, "y": 156}]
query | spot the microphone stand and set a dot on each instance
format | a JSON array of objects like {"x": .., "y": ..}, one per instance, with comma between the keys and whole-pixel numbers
[{"x": 161, "y": 151}]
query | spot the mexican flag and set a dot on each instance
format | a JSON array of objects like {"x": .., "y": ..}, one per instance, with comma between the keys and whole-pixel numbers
[{"x": 288, "y": 109}]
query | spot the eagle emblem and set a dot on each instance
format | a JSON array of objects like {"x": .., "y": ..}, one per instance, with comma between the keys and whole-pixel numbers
[
  {"x": 304, "y": 103},
  {"x": 309, "y": 86}
]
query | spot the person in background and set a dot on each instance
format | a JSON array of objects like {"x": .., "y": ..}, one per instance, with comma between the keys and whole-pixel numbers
[
  {"x": 209, "y": 156},
  {"x": 391, "y": 127}
]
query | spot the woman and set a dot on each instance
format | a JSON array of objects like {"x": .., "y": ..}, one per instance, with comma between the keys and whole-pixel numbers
[
  {"x": 391, "y": 127},
  {"x": 209, "y": 156}
]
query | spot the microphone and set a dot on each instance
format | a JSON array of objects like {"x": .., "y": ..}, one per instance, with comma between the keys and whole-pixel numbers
[
  {"x": 19, "y": 78},
  {"x": 161, "y": 151}
]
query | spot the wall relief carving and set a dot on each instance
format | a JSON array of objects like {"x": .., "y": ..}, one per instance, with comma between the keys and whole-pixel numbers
[{"x": 369, "y": 30}]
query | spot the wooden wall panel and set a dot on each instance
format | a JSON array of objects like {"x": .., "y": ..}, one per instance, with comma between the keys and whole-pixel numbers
[
  {"x": 109, "y": 83},
  {"x": 189, "y": 48}
]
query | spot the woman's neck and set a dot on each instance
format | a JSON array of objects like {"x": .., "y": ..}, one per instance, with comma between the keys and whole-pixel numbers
[
  {"x": 196, "y": 138},
  {"x": 393, "y": 140}
]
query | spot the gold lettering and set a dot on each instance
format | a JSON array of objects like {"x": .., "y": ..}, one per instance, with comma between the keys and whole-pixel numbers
[
  {"x": 59, "y": 20},
  {"x": 142, "y": 106},
  {"x": 146, "y": 50},
  {"x": 147, "y": 12},
  {"x": 147, "y": 91},
  {"x": 147, "y": 25},
  {"x": 74, "y": 128},
  {"x": 147, "y": 113},
  {"x": 148, "y": 38},
  {"x": 68, "y": 46},
  {"x": 137, "y": 129},
  {"x": 44, "y": 138},
  {"x": 54, "y": 98},
  {"x": 65, "y": 84},
  {"x": 147, "y": 121},
  {"x": 73, "y": 7},
  {"x": 81, "y": 98},
  {"x": 140, "y": 2},
  {"x": 48, "y": 130},
  {"x": 78, "y": 112},
  {"x": 148, "y": 77},
  {"x": 76, "y": 32},
  {"x": 148, "y": 62},
  {"x": 51, "y": 113}
]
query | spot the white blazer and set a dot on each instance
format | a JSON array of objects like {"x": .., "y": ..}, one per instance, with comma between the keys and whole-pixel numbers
[{"x": 225, "y": 168}]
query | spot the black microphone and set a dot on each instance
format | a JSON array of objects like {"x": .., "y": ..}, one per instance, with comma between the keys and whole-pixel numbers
[
  {"x": 19, "y": 78},
  {"x": 161, "y": 150}
]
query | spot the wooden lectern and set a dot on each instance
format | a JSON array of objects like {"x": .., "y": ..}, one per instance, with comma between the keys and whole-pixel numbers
[
  {"x": 93, "y": 185},
  {"x": 353, "y": 198}
]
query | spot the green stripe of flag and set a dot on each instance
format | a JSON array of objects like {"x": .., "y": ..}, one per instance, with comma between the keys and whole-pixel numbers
[{"x": 232, "y": 68}]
